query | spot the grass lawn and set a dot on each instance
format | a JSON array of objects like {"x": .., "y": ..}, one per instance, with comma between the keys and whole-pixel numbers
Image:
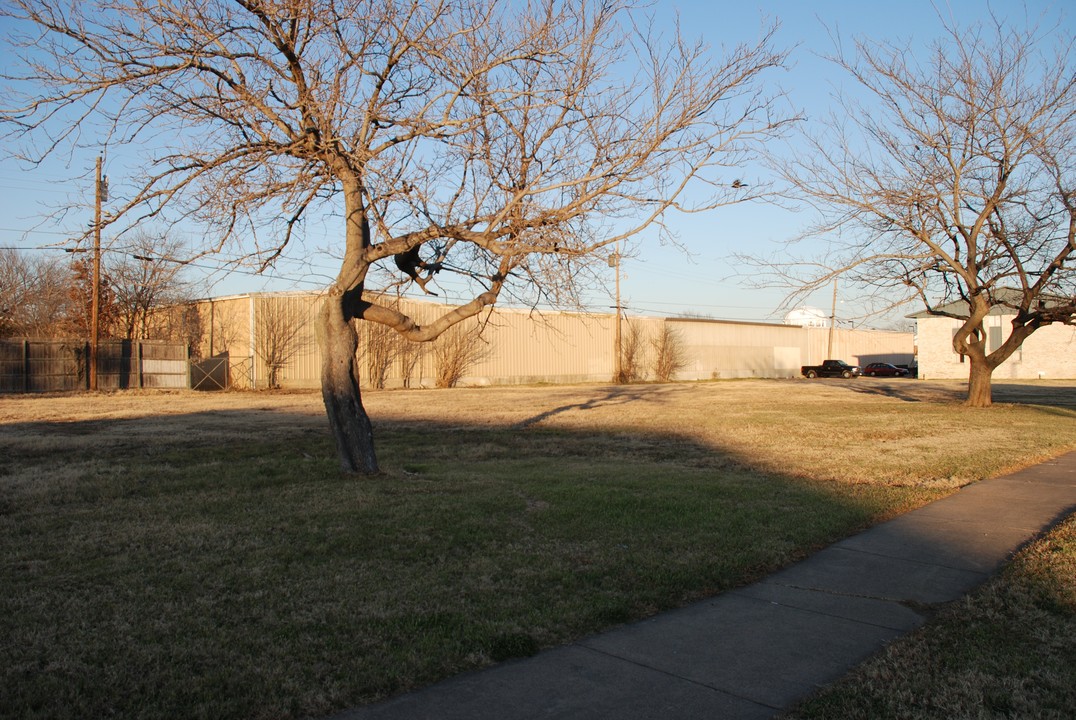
[{"x": 193, "y": 555}]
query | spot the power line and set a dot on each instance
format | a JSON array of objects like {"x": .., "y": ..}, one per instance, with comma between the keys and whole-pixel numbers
[
  {"x": 26, "y": 248},
  {"x": 26, "y": 231},
  {"x": 45, "y": 187},
  {"x": 186, "y": 263},
  {"x": 648, "y": 306}
]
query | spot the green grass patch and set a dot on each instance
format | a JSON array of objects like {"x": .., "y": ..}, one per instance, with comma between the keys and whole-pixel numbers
[
  {"x": 251, "y": 583},
  {"x": 203, "y": 565}
]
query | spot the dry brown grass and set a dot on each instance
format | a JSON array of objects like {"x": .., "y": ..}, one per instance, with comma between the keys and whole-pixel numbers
[
  {"x": 146, "y": 537},
  {"x": 864, "y": 431},
  {"x": 1007, "y": 650}
]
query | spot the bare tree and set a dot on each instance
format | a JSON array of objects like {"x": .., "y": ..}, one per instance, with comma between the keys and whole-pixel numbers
[
  {"x": 410, "y": 356},
  {"x": 40, "y": 297},
  {"x": 146, "y": 278},
  {"x": 954, "y": 183},
  {"x": 669, "y": 354},
  {"x": 458, "y": 350},
  {"x": 281, "y": 333},
  {"x": 34, "y": 296},
  {"x": 508, "y": 142},
  {"x": 380, "y": 347},
  {"x": 631, "y": 351}
]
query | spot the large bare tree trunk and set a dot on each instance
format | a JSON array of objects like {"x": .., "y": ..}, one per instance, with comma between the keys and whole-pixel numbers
[
  {"x": 980, "y": 393},
  {"x": 348, "y": 420}
]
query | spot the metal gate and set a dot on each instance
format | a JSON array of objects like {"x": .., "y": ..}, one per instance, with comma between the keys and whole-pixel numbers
[{"x": 222, "y": 372}]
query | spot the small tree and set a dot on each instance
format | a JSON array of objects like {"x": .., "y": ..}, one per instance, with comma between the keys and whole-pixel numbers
[
  {"x": 410, "y": 356},
  {"x": 456, "y": 352},
  {"x": 281, "y": 334},
  {"x": 631, "y": 351},
  {"x": 381, "y": 347},
  {"x": 669, "y": 354},
  {"x": 34, "y": 296},
  {"x": 954, "y": 183},
  {"x": 146, "y": 278}
]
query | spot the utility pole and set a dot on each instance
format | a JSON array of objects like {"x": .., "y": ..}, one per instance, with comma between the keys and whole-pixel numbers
[
  {"x": 618, "y": 369},
  {"x": 100, "y": 192},
  {"x": 832, "y": 321}
]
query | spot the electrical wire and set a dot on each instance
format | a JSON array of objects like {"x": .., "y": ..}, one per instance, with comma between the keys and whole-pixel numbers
[{"x": 657, "y": 307}]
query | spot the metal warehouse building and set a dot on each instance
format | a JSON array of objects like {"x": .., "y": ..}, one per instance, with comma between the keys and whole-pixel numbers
[{"x": 242, "y": 334}]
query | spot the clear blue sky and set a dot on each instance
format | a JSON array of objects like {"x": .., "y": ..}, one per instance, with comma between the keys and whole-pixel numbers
[{"x": 658, "y": 280}]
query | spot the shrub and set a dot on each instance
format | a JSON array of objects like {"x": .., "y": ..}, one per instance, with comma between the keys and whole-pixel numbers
[{"x": 669, "y": 354}]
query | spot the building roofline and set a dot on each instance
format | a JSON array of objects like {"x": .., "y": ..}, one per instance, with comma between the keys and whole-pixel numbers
[
  {"x": 757, "y": 323},
  {"x": 1001, "y": 295}
]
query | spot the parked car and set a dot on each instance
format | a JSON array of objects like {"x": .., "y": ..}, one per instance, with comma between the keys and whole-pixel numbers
[
  {"x": 831, "y": 368},
  {"x": 880, "y": 369}
]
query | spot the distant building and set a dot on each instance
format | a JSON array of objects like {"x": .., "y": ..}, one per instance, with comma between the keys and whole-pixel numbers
[
  {"x": 1049, "y": 353},
  {"x": 807, "y": 316},
  {"x": 516, "y": 345}
]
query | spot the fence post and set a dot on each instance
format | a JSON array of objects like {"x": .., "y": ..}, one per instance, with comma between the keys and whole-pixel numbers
[
  {"x": 138, "y": 364},
  {"x": 26, "y": 365}
]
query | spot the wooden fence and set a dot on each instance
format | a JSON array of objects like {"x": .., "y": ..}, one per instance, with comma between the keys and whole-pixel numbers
[{"x": 57, "y": 365}]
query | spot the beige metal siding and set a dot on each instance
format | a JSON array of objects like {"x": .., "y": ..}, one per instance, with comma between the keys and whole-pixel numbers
[
  {"x": 545, "y": 347},
  {"x": 736, "y": 350},
  {"x": 859, "y": 347},
  {"x": 528, "y": 346},
  {"x": 296, "y": 315},
  {"x": 225, "y": 326}
]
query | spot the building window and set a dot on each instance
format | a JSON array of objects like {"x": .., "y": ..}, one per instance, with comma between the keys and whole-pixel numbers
[{"x": 993, "y": 338}]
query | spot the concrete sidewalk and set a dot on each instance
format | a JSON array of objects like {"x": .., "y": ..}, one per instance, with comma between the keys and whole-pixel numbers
[{"x": 752, "y": 652}]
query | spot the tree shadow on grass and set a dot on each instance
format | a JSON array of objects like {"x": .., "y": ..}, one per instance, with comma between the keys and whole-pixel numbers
[
  {"x": 163, "y": 565},
  {"x": 613, "y": 395},
  {"x": 909, "y": 390},
  {"x": 219, "y": 559}
]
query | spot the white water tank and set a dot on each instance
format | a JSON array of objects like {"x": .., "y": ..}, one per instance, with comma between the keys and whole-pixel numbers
[{"x": 807, "y": 316}]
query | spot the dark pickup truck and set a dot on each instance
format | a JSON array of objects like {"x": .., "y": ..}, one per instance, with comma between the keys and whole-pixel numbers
[{"x": 831, "y": 368}]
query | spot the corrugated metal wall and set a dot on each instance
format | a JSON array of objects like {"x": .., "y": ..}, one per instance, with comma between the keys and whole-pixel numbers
[
  {"x": 1050, "y": 352},
  {"x": 521, "y": 346},
  {"x": 859, "y": 347},
  {"x": 529, "y": 347},
  {"x": 737, "y": 350},
  {"x": 286, "y": 323}
]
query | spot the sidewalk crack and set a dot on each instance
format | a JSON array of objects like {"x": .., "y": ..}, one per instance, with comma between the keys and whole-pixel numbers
[{"x": 666, "y": 673}]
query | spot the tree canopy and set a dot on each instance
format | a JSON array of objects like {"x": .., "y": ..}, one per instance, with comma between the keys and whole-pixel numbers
[
  {"x": 949, "y": 178},
  {"x": 506, "y": 141}
]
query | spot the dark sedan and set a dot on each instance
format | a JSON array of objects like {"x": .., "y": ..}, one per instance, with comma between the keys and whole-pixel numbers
[{"x": 884, "y": 370}]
